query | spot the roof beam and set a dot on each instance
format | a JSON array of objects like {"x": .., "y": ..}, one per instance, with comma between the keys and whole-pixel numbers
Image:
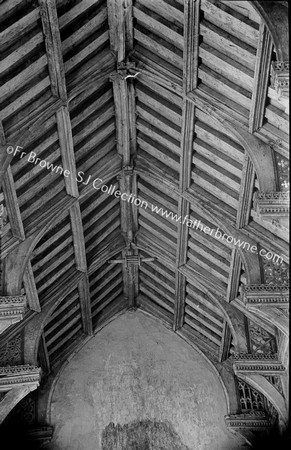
[
  {"x": 50, "y": 24},
  {"x": 190, "y": 72},
  {"x": 12, "y": 207},
  {"x": 84, "y": 294},
  {"x": 121, "y": 43},
  {"x": 81, "y": 265},
  {"x": 78, "y": 237},
  {"x": 30, "y": 288},
  {"x": 261, "y": 79},
  {"x": 246, "y": 193}
]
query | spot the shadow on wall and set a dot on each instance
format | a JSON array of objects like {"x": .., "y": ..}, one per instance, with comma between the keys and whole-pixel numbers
[{"x": 142, "y": 435}]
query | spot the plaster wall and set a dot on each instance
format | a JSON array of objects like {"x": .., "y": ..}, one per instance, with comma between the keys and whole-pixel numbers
[{"x": 138, "y": 386}]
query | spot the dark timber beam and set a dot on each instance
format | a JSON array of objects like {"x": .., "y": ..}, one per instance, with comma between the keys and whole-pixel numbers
[
  {"x": 121, "y": 43},
  {"x": 261, "y": 79},
  {"x": 50, "y": 24},
  {"x": 190, "y": 70}
]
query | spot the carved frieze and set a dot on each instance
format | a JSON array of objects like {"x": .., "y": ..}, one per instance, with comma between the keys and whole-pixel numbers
[
  {"x": 265, "y": 295},
  {"x": 256, "y": 420},
  {"x": 280, "y": 78},
  {"x": 15, "y": 376},
  {"x": 263, "y": 365},
  {"x": 272, "y": 205},
  {"x": 12, "y": 309}
]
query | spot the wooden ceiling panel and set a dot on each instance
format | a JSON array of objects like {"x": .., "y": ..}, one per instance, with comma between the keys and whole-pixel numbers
[
  {"x": 24, "y": 77},
  {"x": 161, "y": 34},
  {"x": 231, "y": 50},
  {"x": 53, "y": 256},
  {"x": 206, "y": 254},
  {"x": 36, "y": 180},
  {"x": 217, "y": 162},
  {"x": 106, "y": 291},
  {"x": 157, "y": 285},
  {"x": 85, "y": 38},
  {"x": 203, "y": 319},
  {"x": 94, "y": 135},
  {"x": 63, "y": 328}
]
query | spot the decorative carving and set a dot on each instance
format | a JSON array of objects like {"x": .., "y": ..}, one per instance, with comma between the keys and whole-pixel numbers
[
  {"x": 12, "y": 309},
  {"x": 270, "y": 205},
  {"x": 280, "y": 77},
  {"x": 15, "y": 376},
  {"x": 134, "y": 260},
  {"x": 264, "y": 364},
  {"x": 275, "y": 273},
  {"x": 283, "y": 171},
  {"x": 251, "y": 357},
  {"x": 249, "y": 399},
  {"x": 10, "y": 353},
  {"x": 24, "y": 417},
  {"x": 275, "y": 380},
  {"x": 272, "y": 413},
  {"x": 24, "y": 412},
  {"x": 3, "y": 216},
  {"x": 256, "y": 420},
  {"x": 266, "y": 294},
  {"x": 124, "y": 70},
  {"x": 261, "y": 342}
]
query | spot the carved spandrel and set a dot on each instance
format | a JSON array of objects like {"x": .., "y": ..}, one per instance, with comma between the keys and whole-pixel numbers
[
  {"x": 24, "y": 413},
  {"x": 261, "y": 342},
  {"x": 12, "y": 309},
  {"x": 274, "y": 291},
  {"x": 10, "y": 353},
  {"x": 283, "y": 172},
  {"x": 275, "y": 273},
  {"x": 249, "y": 399},
  {"x": 275, "y": 380},
  {"x": 280, "y": 78}
]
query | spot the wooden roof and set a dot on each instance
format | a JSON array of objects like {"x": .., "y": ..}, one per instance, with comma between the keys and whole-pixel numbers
[{"x": 146, "y": 99}]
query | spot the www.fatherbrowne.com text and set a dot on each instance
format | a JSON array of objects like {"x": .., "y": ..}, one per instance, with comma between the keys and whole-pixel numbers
[{"x": 98, "y": 184}]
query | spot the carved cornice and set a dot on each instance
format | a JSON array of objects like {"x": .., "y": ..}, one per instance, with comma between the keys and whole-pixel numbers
[
  {"x": 255, "y": 420},
  {"x": 22, "y": 375},
  {"x": 268, "y": 368},
  {"x": 257, "y": 357},
  {"x": 280, "y": 77},
  {"x": 257, "y": 364},
  {"x": 265, "y": 295},
  {"x": 12, "y": 309},
  {"x": 272, "y": 204}
]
